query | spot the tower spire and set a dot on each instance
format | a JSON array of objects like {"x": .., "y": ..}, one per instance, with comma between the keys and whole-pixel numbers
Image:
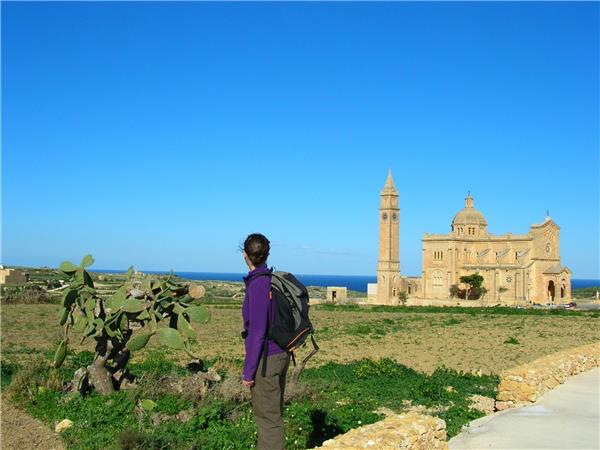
[{"x": 389, "y": 183}]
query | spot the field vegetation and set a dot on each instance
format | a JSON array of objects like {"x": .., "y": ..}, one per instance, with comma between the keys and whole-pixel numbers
[{"x": 372, "y": 360}]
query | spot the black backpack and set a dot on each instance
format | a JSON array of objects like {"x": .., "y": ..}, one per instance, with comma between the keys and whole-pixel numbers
[{"x": 288, "y": 323}]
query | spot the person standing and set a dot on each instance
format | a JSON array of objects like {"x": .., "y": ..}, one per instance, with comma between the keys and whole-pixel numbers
[{"x": 266, "y": 387}]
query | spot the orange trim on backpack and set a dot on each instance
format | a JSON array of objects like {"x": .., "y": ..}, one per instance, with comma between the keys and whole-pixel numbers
[
  {"x": 303, "y": 332},
  {"x": 270, "y": 295}
]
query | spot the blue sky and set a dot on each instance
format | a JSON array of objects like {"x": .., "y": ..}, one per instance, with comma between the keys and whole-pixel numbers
[{"x": 161, "y": 134}]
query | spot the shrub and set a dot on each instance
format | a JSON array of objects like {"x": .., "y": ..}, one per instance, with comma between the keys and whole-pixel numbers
[
  {"x": 29, "y": 294},
  {"x": 125, "y": 322},
  {"x": 7, "y": 371},
  {"x": 33, "y": 379}
]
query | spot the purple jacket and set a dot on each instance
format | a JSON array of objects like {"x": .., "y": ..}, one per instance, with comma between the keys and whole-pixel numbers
[{"x": 255, "y": 309}]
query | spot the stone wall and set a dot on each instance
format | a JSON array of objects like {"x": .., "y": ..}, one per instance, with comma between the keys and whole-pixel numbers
[
  {"x": 524, "y": 384},
  {"x": 412, "y": 430}
]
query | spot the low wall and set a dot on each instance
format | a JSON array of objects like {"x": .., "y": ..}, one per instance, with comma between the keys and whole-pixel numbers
[
  {"x": 416, "y": 301},
  {"x": 397, "y": 431},
  {"x": 524, "y": 384}
]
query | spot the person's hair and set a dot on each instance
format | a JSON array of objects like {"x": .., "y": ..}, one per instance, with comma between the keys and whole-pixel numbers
[{"x": 257, "y": 248}]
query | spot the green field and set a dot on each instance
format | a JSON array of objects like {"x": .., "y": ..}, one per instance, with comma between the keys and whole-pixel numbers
[{"x": 371, "y": 357}]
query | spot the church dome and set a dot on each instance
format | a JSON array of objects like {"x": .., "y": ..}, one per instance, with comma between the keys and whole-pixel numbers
[{"x": 469, "y": 215}]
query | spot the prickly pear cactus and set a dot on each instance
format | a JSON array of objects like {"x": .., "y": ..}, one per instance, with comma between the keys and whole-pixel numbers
[{"x": 127, "y": 321}]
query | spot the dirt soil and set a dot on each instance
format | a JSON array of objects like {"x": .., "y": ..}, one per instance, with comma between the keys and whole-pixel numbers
[
  {"x": 489, "y": 343},
  {"x": 20, "y": 431},
  {"x": 486, "y": 343}
]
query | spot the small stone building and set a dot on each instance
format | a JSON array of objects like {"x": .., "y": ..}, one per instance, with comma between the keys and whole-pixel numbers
[{"x": 336, "y": 294}]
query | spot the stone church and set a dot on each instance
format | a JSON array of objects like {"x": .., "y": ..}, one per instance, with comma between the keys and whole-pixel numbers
[{"x": 516, "y": 268}]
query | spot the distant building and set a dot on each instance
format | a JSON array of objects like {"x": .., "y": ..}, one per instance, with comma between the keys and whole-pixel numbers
[
  {"x": 336, "y": 294},
  {"x": 13, "y": 277},
  {"x": 526, "y": 265},
  {"x": 515, "y": 268},
  {"x": 389, "y": 281}
]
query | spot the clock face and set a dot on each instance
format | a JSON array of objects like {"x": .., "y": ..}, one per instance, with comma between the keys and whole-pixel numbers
[
  {"x": 384, "y": 216},
  {"x": 394, "y": 216}
]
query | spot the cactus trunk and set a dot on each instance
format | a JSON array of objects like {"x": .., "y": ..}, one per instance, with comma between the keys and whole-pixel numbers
[{"x": 99, "y": 376}]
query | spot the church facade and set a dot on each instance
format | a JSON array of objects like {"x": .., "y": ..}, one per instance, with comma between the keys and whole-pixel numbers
[{"x": 516, "y": 268}]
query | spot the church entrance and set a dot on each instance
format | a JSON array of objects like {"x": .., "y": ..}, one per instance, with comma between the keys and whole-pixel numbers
[{"x": 551, "y": 290}]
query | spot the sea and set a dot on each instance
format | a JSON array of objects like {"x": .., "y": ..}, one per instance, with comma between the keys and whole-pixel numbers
[{"x": 352, "y": 282}]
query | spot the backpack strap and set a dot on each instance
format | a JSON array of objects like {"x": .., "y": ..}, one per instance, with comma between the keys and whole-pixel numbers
[{"x": 265, "y": 350}]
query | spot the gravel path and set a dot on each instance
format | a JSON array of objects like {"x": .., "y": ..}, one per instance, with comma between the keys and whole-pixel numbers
[{"x": 19, "y": 431}]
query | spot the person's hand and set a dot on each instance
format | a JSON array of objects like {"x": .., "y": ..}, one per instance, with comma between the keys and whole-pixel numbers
[{"x": 248, "y": 384}]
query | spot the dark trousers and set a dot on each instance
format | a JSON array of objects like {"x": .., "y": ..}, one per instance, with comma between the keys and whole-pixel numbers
[{"x": 267, "y": 402}]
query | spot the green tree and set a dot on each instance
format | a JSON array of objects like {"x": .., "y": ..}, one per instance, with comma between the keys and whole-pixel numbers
[
  {"x": 403, "y": 297},
  {"x": 454, "y": 290},
  {"x": 473, "y": 281}
]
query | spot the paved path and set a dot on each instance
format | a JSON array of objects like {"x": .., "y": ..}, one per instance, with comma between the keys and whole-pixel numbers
[{"x": 567, "y": 417}]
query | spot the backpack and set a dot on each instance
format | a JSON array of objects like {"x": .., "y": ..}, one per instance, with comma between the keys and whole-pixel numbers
[{"x": 288, "y": 323}]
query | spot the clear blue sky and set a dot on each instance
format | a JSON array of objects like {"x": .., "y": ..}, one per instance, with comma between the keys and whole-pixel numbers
[{"x": 161, "y": 134}]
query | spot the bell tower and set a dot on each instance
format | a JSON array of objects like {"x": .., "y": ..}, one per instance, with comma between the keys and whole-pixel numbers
[{"x": 388, "y": 265}]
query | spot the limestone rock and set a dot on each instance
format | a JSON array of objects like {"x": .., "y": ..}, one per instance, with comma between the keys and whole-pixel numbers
[
  {"x": 63, "y": 425},
  {"x": 397, "y": 431},
  {"x": 524, "y": 384},
  {"x": 197, "y": 291},
  {"x": 481, "y": 403}
]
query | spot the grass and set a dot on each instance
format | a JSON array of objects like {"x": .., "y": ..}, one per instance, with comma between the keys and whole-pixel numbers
[
  {"x": 370, "y": 356},
  {"x": 339, "y": 397},
  {"x": 472, "y": 311}
]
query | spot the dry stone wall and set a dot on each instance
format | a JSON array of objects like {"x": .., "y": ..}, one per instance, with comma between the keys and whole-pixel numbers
[
  {"x": 524, "y": 384},
  {"x": 397, "y": 431},
  {"x": 518, "y": 386}
]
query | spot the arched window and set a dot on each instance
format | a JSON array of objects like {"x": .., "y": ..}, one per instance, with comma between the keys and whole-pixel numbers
[{"x": 437, "y": 280}]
